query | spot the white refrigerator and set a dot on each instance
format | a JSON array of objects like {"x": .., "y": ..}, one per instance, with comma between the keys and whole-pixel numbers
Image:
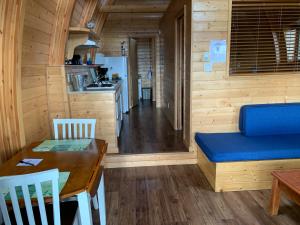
[{"x": 119, "y": 65}]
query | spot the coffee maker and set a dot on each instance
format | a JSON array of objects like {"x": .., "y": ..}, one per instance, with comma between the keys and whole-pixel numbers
[{"x": 101, "y": 72}]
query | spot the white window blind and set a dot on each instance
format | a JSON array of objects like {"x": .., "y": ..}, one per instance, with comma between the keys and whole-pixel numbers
[{"x": 265, "y": 36}]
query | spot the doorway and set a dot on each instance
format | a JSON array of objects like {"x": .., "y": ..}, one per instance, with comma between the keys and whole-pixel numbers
[{"x": 146, "y": 128}]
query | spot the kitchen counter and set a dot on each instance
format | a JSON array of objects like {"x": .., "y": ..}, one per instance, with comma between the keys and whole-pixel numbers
[
  {"x": 113, "y": 89},
  {"x": 102, "y": 105}
]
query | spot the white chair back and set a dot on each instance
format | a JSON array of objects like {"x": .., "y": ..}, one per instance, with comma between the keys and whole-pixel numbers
[
  {"x": 10, "y": 183},
  {"x": 74, "y": 128}
]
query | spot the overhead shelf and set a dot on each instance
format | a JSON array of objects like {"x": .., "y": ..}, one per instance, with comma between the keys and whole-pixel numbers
[
  {"x": 83, "y": 30},
  {"x": 79, "y": 30}
]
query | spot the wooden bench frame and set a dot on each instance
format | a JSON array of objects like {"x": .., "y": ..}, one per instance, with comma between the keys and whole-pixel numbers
[{"x": 244, "y": 175}]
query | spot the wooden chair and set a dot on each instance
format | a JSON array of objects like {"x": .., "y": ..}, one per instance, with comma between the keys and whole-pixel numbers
[
  {"x": 98, "y": 191},
  {"x": 74, "y": 128},
  {"x": 40, "y": 214}
]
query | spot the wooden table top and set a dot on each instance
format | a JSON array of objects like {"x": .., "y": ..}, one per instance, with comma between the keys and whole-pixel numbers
[
  {"x": 290, "y": 178},
  {"x": 82, "y": 165}
]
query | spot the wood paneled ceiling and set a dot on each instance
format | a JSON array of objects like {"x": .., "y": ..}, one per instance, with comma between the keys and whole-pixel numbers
[
  {"x": 142, "y": 9},
  {"x": 115, "y": 11}
]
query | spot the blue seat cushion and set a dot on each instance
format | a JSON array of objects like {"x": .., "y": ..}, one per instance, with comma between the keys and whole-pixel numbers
[
  {"x": 228, "y": 147},
  {"x": 270, "y": 119}
]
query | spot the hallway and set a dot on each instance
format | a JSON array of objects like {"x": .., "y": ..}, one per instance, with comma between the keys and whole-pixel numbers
[{"x": 146, "y": 130}]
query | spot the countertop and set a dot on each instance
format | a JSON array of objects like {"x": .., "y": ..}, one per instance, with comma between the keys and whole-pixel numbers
[{"x": 100, "y": 89}]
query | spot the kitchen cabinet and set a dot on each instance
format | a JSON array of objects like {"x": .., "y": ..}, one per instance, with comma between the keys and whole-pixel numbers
[
  {"x": 106, "y": 107},
  {"x": 103, "y": 104}
]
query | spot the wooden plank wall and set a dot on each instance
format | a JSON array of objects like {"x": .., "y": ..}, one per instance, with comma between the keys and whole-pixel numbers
[
  {"x": 145, "y": 60},
  {"x": 216, "y": 97},
  {"x": 38, "y": 24},
  {"x": 120, "y": 27},
  {"x": 168, "y": 80},
  {"x": 58, "y": 101},
  {"x": 11, "y": 123}
]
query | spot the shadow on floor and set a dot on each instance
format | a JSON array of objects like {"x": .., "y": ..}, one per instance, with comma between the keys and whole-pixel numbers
[{"x": 146, "y": 130}]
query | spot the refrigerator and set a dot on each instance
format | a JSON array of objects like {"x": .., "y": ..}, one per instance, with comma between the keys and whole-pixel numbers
[{"x": 119, "y": 65}]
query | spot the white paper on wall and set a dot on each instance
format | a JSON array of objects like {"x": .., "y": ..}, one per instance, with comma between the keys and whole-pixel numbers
[{"x": 217, "y": 51}]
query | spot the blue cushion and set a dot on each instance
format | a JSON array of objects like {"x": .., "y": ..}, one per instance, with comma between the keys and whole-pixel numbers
[
  {"x": 227, "y": 147},
  {"x": 270, "y": 119}
]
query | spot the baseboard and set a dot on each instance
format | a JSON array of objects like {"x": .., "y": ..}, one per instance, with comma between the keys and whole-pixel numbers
[{"x": 154, "y": 159}]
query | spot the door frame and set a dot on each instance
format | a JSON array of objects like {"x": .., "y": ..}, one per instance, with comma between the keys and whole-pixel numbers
[
  {"x": 180, "y": 98},
  {"x": 154, "y": 51}
]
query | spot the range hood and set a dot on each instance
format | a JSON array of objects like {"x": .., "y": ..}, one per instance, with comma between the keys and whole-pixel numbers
[{"x": 89, "y": 44}]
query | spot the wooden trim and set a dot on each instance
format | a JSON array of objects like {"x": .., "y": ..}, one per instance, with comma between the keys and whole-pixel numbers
[
  {"x": 228, "y": 38},
  {"x": 134, "y": 8},
  {"x": 156, "y": 159},
  {"x": 177, "y": 92}
]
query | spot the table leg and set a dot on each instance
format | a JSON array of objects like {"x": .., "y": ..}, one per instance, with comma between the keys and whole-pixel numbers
[
  {"x": 275, "y": 197},
  {"x": 101, "y": 200},
  {"x": 84, "y": 206}
]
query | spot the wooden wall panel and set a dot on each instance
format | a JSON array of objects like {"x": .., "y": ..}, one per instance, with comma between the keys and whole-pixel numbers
[
  {"x": 11, "y": 123},
  {"x": 100, "y": 106},
  {"x": 38, "y": 24},
  {"x": 168, "y": 80},
  {"x": 216, "y": 96},
  {"x": 145, "y": 60},
  {"x": 119, "y": 29},
  {"x": 58, "y": 101}
]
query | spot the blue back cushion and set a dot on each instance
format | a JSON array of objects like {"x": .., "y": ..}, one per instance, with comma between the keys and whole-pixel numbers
[{"x": 270, "y": 119}]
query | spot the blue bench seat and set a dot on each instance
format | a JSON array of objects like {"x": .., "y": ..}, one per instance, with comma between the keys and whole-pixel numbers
[
  {"x": 230, "y": 147},
  {"x": 268, "y": 131}
]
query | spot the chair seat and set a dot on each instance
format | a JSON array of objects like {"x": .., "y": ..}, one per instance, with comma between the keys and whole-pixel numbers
[{"x": 67, "y": 213}]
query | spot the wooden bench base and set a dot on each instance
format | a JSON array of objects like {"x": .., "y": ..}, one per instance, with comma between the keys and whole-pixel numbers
[{"x": 245, "y": 175}]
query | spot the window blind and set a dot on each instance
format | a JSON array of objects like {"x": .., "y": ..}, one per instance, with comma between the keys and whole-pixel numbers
[{"x": 265, "y": 36}]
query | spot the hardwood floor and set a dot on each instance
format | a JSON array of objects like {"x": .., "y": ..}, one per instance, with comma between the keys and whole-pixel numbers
[
  {"x": 146, "y": 130},
  {"x": 180, "y": 195}
]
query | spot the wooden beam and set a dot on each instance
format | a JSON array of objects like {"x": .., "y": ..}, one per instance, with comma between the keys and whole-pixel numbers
[
  {"x": 88, "y": 11},
  {"x": 60, "y": 32},
  {"x": 101, "y": 17},
  {"x": 134, "y": 8}
]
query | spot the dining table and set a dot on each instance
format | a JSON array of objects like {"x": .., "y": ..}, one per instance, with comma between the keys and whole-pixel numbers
[{"x": 84, "y": 167}]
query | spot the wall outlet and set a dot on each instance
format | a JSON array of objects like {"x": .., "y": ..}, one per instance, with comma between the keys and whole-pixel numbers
[{"x": 168, "y": 105}]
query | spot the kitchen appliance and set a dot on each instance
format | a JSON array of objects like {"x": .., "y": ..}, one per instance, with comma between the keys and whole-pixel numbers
[
  {"x": 102, "y": 74},
  {"x": 119, "y": 65},
  {"x": 76, "y": 60},
  {"x": 79, "y": 82}
]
